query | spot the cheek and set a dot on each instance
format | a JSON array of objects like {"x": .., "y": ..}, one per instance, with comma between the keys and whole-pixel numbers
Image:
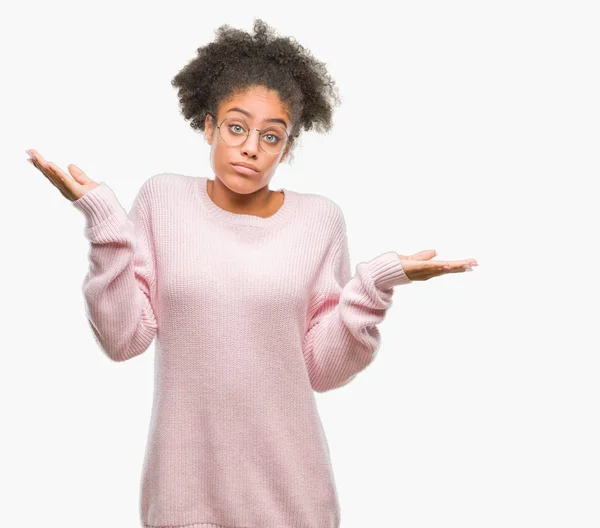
[
  {"x": 272, "y": 167},
  {"x": 218, "y": 155}
]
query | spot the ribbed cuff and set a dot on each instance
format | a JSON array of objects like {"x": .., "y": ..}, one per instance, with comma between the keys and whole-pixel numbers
[
  {"x": 387, "y": 271},
  {"x": 98, "y": 204}
]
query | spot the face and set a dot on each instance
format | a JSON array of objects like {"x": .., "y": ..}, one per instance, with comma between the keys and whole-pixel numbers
[{"x": 259, "y": 106}]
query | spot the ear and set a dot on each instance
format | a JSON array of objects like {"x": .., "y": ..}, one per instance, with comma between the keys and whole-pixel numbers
[{"x": 209, "y": 128}]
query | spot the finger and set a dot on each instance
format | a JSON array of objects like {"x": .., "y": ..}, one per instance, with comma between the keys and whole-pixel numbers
[
  {"x": 53, "y": 174},
  {"x": 78, "y": 175},
  {"x": 66, "y": 182},
  {"x": 428, "y": 268},
  {"x": 34, "y": 157},
  {"x": 450, "y": 265},
  {"x": 37, "y": 165},
  {"x": 62, "y": 178},
  {"x": 37, "y": 156},
  {"x": 42, "y": 166},
  {"x": 426, "y": 254},
  {"x": 50, "y": 180},
  {"x": 442, "y": 271},
  {"x": 50, "y": 170},
  {"x": 462, "y": 269},
  {"x": 460, "y": 265}
]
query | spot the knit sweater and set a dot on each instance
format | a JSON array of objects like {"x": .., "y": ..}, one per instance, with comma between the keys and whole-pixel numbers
[{"x": 251, "y": 316}]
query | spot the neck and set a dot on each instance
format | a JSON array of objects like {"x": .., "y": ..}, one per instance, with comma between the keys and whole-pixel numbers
[{"x": 262, "y": 202}]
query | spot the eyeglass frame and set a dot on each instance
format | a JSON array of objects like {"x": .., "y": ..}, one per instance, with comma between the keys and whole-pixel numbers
[{"x": 289, "y": 136}]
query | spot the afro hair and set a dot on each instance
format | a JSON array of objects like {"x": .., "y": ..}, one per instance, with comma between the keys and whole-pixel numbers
[{"x": 237, "y": 60}]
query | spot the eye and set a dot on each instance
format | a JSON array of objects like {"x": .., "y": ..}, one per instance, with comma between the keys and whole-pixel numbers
[
  {"x": 239, "y": 127},
  {"x": 274, "y": 137}
]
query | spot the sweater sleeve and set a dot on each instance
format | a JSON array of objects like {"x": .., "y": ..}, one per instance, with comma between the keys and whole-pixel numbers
[
  {"x": 119, "y": 287},
  {"x": 342, "y": 337}
]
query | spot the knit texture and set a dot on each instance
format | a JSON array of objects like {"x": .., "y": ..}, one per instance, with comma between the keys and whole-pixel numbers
[{"x": 251, "y": 316}]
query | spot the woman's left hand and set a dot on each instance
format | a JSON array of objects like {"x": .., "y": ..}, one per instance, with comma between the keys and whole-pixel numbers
[{"x": 420, "y": 267}]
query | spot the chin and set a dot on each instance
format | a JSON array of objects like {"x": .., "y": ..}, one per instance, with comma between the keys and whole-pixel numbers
[{"x": 241, "y": 184}]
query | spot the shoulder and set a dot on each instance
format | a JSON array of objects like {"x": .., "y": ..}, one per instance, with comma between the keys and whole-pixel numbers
[
  {"x": 160, "y": 186},
  {"x": 164, "y": 180},
  {"x": 324, "y": 208},
  {"x": 323, "y": 215}
]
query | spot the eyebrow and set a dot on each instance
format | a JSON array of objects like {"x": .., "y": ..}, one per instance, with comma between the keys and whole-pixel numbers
[{"x": 245, "y": 112}]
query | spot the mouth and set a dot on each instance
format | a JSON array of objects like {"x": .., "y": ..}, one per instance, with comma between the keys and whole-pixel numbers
[{"x": 244, "y": 170}]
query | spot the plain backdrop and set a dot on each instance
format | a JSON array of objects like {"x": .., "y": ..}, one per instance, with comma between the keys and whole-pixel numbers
[{"x": 467, "y": 127}]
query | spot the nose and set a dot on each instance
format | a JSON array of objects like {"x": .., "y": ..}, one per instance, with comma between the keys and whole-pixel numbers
[{"x": 251, "y": 145}]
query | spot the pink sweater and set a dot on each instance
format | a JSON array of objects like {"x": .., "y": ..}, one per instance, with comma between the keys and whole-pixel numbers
[{"x": 251, "y": 316}]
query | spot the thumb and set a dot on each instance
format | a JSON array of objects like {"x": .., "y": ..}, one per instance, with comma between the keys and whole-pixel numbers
[
  {"x": 426, "y": 254},
  {"x": 78, "y": 175}
]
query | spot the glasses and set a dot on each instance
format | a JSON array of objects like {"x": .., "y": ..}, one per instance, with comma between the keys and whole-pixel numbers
[{"x": 234, "y": 131}]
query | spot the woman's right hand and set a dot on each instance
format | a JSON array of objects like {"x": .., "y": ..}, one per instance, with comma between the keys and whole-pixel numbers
[{"x": 71, "y": 187}]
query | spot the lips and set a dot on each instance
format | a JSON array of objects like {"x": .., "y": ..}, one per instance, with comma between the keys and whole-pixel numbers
[
  {"x": 244, "y": 169},
  {"x": 247, "y": 165}
]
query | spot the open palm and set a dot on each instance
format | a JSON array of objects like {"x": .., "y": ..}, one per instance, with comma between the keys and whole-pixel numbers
[
  {"x": 71, "y": 186},
  {"x": 420, "y": 267}
]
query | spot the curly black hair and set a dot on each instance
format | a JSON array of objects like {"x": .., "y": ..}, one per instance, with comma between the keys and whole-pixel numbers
[{"x": 237, "y": 60}]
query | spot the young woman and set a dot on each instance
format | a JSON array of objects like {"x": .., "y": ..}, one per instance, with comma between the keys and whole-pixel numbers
[{"x": 248, "y": 292}]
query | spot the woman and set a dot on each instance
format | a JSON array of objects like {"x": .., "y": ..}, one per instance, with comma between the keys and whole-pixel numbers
[{"x": 248, "y": 292}]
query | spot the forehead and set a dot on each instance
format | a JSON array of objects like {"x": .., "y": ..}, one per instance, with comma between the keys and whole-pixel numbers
[{"x": 259, "y": 102}]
